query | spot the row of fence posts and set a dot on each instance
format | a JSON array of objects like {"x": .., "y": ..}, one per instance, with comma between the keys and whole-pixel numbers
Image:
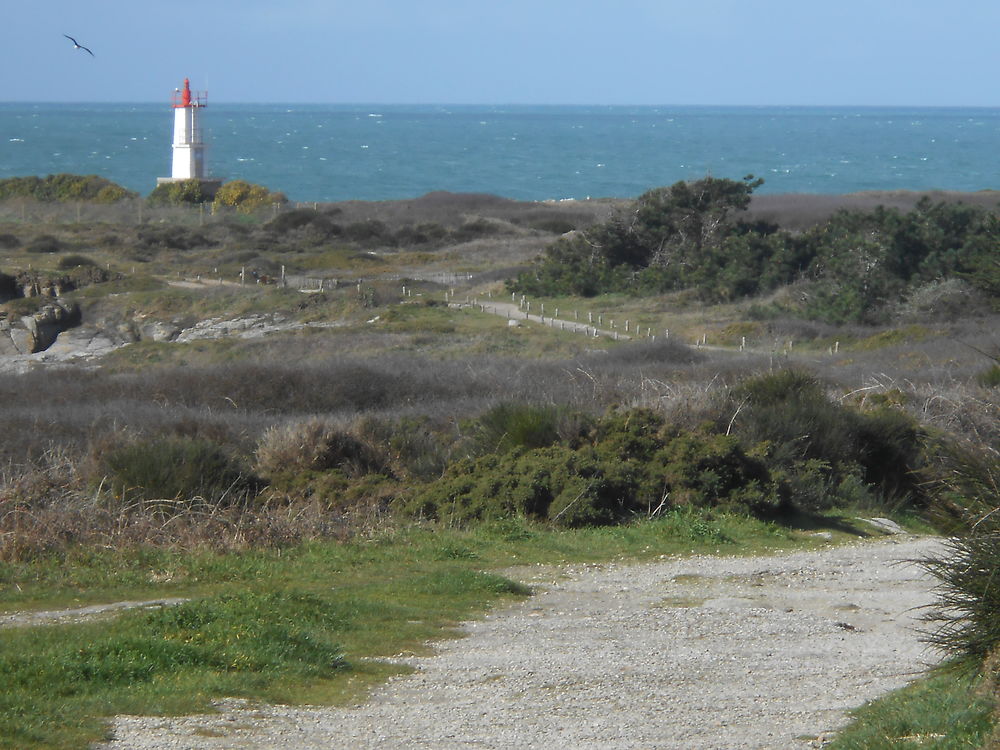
[
  {"x": 524, "y": 305},
  {"x": 592, "y": 329}
]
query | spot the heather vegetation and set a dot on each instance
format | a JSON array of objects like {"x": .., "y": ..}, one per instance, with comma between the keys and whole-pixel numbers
[{"x": 792, "y": 372}]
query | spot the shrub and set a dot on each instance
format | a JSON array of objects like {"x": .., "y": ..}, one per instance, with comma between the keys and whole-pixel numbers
[
  {"x": 412, "y": 446},
  {"x": 422, "y": 234},
  {"x": 816, "y": 442},
  {"x": 369, "y": 232},
  {"x": 44, "y": 243},
  {"x": 182, "y": 192},
  {"x": 706, "y": 470},
  {"x": 74, "y": 261},
  {"x": 305, "y": 223},
  {"x": 63, "y": 187},
  {"x": 633, "y": 466},
  {"x": 570, "y": 488},
  {"x": 511, "y": 425},
  {"x": 173, "y": 468},
  {"x": 173, "y": 237},
  {"x": 23, "y": 305},
  {"x": 990, "y": 377},
  {"x": 943, "y": 299},
  {"x": 9, "y": 241},
  {"x": 475, "y": 229},
  {"x": 246, "y": 197},
  {"x": 966, "y": 615}
]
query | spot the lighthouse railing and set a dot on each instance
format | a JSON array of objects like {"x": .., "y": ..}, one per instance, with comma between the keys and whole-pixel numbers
[{"x": 198, "y": 99}]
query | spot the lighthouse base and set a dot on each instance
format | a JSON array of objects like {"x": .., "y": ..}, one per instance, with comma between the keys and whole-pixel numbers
[{"x": 209, "y": 185}]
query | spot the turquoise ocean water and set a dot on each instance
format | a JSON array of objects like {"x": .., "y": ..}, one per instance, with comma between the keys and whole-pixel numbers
[{"x": 376, "y": 152}]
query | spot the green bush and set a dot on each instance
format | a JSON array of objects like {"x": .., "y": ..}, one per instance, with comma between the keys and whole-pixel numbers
[
  {"x": 990, "y": 377},
  {"x": 246, "y": 197},
  {"x": 569, "y": 487},
  {"x": 966, "y": 613},
  {"x": 173, "y": 237},
  {"x": 64, "y": 187},
  {"x": 514, "y": 425},
  {"x": 369, "y": 232},
  {"x": 631, "y": 465},
  {"x": 179, "y": 193},
  {"x": 816, "y": 444},
  {"x": 173, "y": 468},
  {"x": 74, "y": 261},
  {"x": 712, "y": 470},
  {"x": 44, "y": 243}
]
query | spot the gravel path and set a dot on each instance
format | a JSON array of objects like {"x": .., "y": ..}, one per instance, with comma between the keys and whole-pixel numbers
[{"x": 694, "y": 653}]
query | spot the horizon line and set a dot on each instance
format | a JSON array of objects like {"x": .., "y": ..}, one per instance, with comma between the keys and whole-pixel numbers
[{"x": 371, "y": 104}]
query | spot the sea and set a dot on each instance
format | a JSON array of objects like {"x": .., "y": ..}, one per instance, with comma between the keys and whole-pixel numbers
[{"x": 316, "y": 152}]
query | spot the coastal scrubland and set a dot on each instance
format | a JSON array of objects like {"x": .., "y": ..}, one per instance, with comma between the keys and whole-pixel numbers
[{"x": 753, "y": 368}]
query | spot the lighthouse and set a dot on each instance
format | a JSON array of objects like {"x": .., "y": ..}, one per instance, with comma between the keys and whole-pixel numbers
[{"x": 189, "y": 145}]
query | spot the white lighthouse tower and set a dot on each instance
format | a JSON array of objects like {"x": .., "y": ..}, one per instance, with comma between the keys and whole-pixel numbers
[{"x": 189, "y": 145}]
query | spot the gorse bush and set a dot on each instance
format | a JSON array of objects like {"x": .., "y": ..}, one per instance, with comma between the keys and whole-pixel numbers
[
  {"x": 632, "y": 463},
  {"x": 246, "y": 197},
  {"x": 178, "y": 193},
  {"x": 64, "y": 187},
  {"x": 569, "y": 487}
]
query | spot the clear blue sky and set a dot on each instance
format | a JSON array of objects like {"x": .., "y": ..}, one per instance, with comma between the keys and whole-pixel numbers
[{"x": 797, "y": 52}]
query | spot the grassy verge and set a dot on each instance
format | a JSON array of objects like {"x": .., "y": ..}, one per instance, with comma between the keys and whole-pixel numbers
[
  {"x": 944, "y": 711},
  {"x": 304, "y": 625}
]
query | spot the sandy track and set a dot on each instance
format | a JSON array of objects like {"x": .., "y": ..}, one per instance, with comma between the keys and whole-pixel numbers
[{"x": 694, "y": 653}]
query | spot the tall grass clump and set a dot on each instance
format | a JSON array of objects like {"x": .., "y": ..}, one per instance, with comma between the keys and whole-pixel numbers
[
  {"x": 516, "y": 425},
  {"x": 966, "y": 615},
  {"x": 172, "y": 468},
  {"x": 314, "y": 445}
]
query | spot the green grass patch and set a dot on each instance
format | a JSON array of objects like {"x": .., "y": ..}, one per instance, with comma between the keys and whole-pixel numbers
[
  {"x": 894, "y": 337},
  {"x": 943, "y": 712},
  {"x": 298, "y": 625},
  {"x": 342, "y": 259}
]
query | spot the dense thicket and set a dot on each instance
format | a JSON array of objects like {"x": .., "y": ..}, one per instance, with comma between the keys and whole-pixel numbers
[
  {"x": 64, "y": 187},
  {"x": 788, "y": 447},
  {"x": 241, "y": 195},
  {"x": 696, "y": 235}
]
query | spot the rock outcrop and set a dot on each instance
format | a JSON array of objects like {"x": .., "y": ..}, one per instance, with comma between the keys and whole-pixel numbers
[{"x": 27, "y": 334}]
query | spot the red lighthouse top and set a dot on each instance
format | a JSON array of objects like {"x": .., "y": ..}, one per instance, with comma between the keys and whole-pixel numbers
[{"x": 184, "y": 97}]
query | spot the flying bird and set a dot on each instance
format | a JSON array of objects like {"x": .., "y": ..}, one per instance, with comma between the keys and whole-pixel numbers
[{"x": 77, "y": 45}]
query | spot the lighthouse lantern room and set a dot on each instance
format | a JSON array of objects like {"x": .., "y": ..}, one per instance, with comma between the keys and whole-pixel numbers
[{"x": 189, "y": 145}]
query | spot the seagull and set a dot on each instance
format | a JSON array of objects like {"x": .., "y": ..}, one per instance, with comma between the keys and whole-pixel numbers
[{"x": 77, "y": 45}]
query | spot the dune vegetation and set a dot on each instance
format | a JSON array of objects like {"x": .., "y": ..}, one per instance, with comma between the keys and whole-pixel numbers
[{"x": 294, "y": 394}]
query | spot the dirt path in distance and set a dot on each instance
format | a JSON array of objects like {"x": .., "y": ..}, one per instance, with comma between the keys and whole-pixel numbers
[{"x": 700, "y": 653}]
